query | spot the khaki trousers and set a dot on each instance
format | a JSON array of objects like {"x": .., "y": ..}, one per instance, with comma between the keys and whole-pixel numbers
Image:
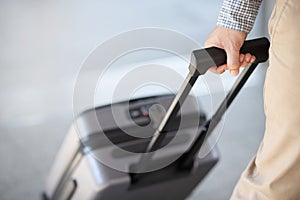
[{"x": 274, "y": 173}]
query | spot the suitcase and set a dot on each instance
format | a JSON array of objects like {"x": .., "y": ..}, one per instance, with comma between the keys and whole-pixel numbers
[{"x": 143, "y": 155}]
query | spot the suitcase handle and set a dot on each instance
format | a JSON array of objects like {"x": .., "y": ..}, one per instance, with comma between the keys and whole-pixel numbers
[{"x": 203, "y": 59}]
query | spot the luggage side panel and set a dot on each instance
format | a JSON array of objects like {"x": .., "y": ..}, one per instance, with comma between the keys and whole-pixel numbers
[{"x": 69, "y": 148}]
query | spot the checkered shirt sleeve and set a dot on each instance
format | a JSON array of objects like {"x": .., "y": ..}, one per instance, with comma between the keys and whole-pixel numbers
[{"x": 238, "y": 14}]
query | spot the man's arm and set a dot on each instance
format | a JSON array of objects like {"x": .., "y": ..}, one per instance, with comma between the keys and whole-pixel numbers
[
  {"x": 238, "y": 15},
  {"x": 235, "y": 21}
]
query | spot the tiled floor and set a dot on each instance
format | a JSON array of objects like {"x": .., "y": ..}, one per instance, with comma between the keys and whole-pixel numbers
[{"x": 43, "y": 44}]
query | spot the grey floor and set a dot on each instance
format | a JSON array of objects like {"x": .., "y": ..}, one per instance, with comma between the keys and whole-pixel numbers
[{"x": 43, "y": 44}]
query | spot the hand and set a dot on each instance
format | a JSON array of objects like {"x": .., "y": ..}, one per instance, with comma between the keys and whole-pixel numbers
[{"x": 231, "y": 41}]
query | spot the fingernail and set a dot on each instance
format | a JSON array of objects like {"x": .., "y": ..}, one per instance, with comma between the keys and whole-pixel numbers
[
  {"x": 247, "y": 59},
  {"x": 222, "y": 71},
  {"x": 234, "y": 72},
  {"x": 252, "y": 60},
  {"x": 241, "y": 58}
]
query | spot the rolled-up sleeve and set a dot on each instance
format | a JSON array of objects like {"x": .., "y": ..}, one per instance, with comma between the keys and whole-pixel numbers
[{"x": 238, "y": 15}]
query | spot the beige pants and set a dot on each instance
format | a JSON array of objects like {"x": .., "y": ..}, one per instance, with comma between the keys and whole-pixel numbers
[{"x": 274, "y": 173}]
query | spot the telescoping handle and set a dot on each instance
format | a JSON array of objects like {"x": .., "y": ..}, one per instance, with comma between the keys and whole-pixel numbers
[
  {"x": 257, "y": 47},
  {"x": 201, "y": 61}
]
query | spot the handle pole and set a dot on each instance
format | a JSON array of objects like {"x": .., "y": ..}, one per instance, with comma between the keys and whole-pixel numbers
[
  {"x": 170, "y": 115},
  {"x": 201, "y": 61},
  {"x": 187, "y": 159}
]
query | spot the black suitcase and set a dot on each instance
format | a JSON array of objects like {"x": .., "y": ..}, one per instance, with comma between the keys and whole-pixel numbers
[{"x": 82, "y": 168}]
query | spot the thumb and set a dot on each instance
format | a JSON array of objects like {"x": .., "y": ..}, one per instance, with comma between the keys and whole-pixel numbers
[{"x": 233, "y": 61}]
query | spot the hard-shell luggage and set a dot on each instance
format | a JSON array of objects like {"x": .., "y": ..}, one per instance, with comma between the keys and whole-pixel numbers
[{"x": 102, "y": 159}]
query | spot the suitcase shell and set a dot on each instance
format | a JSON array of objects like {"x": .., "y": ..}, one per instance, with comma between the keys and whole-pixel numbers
[{"x": 78, "y": 174}]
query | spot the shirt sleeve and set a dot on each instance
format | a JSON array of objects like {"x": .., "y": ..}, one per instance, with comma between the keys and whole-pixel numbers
[{"x": 238, "y": 14}]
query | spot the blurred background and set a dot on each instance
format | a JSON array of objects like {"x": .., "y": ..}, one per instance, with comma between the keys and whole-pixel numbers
[{"x": 43, "y": 44}]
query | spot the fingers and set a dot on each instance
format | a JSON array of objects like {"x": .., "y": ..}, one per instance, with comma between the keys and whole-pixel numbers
[
  {"x": 233, "y": 60},
  {"x": 231, "y": 41},
  {"x": 246, "y": 59},
  {"x": 218, "y": 70}
]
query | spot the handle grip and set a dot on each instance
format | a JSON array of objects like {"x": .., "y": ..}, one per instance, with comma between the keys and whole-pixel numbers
[{"x": 203, "y": 59}]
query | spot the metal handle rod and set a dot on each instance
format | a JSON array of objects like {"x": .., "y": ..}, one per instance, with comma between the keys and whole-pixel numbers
[
  {"x": 173, "y": 109},
  {"x": 208, "y": 127},
  {"x": 170, "y": 115}
]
